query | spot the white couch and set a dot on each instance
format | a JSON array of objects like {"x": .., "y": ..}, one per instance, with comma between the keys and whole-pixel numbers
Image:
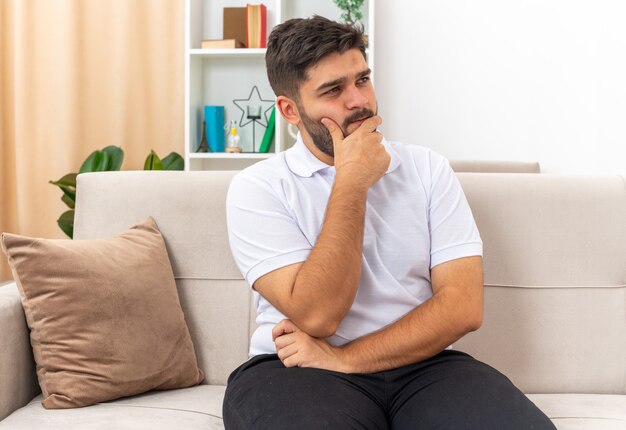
[
  {"x": 555, "y": 281},
  {"x": 484, "y": 166}
]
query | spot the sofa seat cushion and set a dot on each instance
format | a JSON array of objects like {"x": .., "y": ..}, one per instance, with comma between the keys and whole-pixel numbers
[
  {"x": 198, "y": 407},
  {"x": 583, "y": 411}
]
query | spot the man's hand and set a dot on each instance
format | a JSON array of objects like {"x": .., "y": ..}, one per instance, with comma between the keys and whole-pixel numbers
[
  {"x": 360, "y": 156},
  {"x": 295, "y": 348}
]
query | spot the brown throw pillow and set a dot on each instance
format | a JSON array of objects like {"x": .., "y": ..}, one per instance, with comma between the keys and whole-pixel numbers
[{"x": 104, "y": 316}]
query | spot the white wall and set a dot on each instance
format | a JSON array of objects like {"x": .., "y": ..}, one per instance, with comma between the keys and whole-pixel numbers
[{"x": 530, "y": 80}]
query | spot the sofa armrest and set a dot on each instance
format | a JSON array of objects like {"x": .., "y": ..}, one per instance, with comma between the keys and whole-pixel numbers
[{"x": 18, "y": 380}]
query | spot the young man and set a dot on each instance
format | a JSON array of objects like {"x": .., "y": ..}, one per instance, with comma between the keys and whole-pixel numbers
[{"x": 365, "y": 261}]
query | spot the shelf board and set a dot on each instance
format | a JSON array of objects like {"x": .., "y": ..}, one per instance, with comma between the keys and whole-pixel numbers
[
  {"x": 234, "y": 156},
  {"x": 240, "y": 52}
]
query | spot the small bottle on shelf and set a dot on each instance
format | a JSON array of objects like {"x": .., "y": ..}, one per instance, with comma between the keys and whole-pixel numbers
[{"x": 233, "y": 140}]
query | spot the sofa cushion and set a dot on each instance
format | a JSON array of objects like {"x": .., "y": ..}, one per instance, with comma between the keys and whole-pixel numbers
[
  {"x": 201, "y": 408},
  {"x": 192, "y": 408},
  {"x": 104, "y": 315},
  {"x": 214, "y": 296},
  {"x": 583, "y": 411}
]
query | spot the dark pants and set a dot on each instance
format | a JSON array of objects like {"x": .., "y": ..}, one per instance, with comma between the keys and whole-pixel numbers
[{"x": 449, "y": 391}]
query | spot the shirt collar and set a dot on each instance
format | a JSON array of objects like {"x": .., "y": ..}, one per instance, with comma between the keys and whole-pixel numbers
[{"x": 303, "y": 163}]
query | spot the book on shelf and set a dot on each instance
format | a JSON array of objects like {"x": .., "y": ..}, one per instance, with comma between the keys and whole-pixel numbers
[
  {"x": 268, "y": 136},
  {"x": 256, "y": 25},
  {"x": 222, "y": 44},
  {"x": 235, "y": 23}
]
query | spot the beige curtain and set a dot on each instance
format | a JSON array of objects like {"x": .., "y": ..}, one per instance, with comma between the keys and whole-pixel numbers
[{"x": 79, "y": 75}]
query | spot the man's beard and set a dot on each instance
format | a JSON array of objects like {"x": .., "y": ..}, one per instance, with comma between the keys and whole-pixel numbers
[{"x": 319, "y": 133}]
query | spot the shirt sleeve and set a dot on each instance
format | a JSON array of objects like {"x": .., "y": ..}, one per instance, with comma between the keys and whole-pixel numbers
[
  {"x": 263, "y": 236},
  {"x": 453, "y": 231}
]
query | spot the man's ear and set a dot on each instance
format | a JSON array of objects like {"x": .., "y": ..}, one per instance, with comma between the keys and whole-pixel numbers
[{"x": 288, "y": 109}]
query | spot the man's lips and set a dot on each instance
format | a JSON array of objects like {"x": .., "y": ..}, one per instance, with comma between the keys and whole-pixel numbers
[
  {"x": 353, "y": 125},
  {"x": 356, "y": 123},
  {"x": 359, "y": 121}
]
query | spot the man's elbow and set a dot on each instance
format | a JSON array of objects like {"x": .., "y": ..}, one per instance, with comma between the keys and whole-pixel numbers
[
  {"x": 319, "y": 327},
  {"x": 472, "y": 306},
  {"x": 473, "y": 319},
  {"x": 475, "y": 323}
]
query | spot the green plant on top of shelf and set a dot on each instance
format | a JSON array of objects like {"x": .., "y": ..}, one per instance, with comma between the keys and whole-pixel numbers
[
  {"x": 108, "y": 159},
  {"x": 352, "y": 10}
]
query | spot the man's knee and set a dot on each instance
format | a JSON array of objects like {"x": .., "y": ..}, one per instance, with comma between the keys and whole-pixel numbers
[
  {"x": 501, "y": 401},
  {"x": 464, "y": 393},
  {"x": 282, "y": 398}
]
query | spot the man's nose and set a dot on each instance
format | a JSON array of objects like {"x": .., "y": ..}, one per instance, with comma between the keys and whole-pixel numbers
[{"x": 355, "y": 99}]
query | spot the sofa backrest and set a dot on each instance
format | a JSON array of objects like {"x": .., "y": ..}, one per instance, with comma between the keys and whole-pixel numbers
[
  {"x": 189, "y": 208},
  {"x": 482, "y": 166},
  {"x": 555, "y": 280},
  {"x": 555, "y": 269}
]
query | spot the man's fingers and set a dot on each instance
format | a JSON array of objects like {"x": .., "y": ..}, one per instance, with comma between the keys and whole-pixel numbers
[
  {"x": 286, "y": 352},
  {"x": 278, "y": 330},
  {"x": 284, "y": 341},
  {"x": 335, "y": 131},
  {"x": 285, "y": 326},
  {"x": 371, "y": 124}
]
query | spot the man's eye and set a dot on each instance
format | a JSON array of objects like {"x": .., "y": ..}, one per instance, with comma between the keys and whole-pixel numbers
[
  {"x": 332, "y": 91},
  {"x": 363, "y": 80}
]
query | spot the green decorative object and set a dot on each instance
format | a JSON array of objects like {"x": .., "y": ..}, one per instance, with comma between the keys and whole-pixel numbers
[
  {"x": 352, "y": 10},
  {"x": 108, "y": 159},
  {"x": 172, "y": 162},
  {"x": 269, "y": 133}
]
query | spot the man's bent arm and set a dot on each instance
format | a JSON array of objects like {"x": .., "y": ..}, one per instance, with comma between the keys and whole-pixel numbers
[
  {"x": 326, "y": 283},
  {"x": 454, "y": 310},
  {"x": 317, "y": 294}
]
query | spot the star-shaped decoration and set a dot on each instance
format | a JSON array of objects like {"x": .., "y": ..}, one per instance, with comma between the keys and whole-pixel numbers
[{"x": 254, "y": 100}]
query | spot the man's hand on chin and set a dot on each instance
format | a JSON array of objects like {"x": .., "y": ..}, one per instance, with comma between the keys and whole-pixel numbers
[{"x": 295, "y": 348}]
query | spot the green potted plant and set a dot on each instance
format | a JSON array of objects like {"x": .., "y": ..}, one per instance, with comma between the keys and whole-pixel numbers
[
  {"x": 352, "y": 10},
  {"x": 105, "y": 160}
]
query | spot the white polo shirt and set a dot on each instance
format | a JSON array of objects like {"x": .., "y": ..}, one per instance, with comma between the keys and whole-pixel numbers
[{"x": 416, "y": 218}]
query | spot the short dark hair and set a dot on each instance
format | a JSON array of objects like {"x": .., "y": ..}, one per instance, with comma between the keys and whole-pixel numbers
[{"x": 298, "y": 44}]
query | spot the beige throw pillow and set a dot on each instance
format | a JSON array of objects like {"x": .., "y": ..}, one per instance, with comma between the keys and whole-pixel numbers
[{"x": 104, "y": 316}]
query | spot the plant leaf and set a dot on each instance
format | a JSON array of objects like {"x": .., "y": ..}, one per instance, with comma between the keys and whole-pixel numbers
[
  {"x": 115, "y": 158},
  {"x": 173, "y": 162},
  {"x": 68, "y": 180},
  {"x": 67, "y": 184},
  {"x": 66, "y": 223},
  {"x": 70, "y": 202},
  {"x": 92, "y": 162},
  {"x": 104, "y": 161},
  {"x": 153, "y": 162},
  {"x": 69, "y": 192}
]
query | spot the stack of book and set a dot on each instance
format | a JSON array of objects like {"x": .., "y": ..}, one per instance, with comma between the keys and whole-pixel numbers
[
  {"x": 222, "y": 43},
  {"x": 235, "y": 24},
  {"x": 244, "y": 27},
  {"x": 256, "y": 25}
]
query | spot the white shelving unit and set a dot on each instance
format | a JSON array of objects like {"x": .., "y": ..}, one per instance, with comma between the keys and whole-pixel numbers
[{"x": 219, "y": 76}]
